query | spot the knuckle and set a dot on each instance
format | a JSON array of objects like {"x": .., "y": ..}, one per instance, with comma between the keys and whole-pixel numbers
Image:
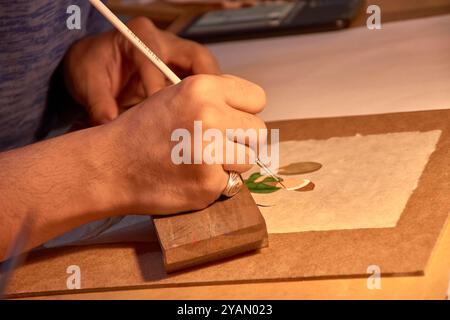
[
  {"x": 196, "y": 87},
  {"x": 209, "y": 115},
  {"x": 196, "y": 92},
  {"x": 201, "y": 111}
]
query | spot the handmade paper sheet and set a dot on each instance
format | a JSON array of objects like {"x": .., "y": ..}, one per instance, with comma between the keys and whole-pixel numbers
[{"x": 364, "y": 182}]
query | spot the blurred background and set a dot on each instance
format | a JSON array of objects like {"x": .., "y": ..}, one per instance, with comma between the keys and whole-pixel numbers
[{"x": 218, "y": 20}]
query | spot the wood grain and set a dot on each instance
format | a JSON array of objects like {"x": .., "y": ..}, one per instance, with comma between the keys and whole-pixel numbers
[{"x": 224, "y": 229}]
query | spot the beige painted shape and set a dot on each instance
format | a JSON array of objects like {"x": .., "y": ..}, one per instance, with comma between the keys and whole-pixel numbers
[{"x": 365, "y": 182}]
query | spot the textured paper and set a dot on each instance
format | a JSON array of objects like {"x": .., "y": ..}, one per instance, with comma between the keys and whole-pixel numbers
[{"x": 364, "y": 182}]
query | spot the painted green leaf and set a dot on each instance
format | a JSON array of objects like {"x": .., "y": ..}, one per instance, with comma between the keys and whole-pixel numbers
[
  {"x": 269, "y": 179},
  {"x": 253, "y": 177},
  {"x": 260, "y": 187}
]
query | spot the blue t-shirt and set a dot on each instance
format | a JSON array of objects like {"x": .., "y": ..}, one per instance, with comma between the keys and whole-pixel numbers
[{"x": 33, "y": 40}]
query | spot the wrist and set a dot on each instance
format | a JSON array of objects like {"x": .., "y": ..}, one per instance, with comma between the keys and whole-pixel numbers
[
  {"x": 103, "y": 167},
  {"x": 62, "y": 183}
]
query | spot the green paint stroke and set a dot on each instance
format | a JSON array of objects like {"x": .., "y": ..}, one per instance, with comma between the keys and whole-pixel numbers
[{"x": 260, "y": 187}]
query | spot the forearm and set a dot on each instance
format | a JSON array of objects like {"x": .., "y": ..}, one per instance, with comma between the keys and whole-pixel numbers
[{"x": 59, "y": 183}]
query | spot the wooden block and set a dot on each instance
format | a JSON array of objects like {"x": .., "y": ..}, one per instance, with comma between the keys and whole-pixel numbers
[{"x": 226, "y": 228}]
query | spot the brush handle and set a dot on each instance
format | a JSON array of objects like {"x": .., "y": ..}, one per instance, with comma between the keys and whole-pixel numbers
[{"x": 116, "y": 22}]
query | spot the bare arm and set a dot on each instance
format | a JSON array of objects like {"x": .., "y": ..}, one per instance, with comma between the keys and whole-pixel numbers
[{"x": 60, "y": 183}]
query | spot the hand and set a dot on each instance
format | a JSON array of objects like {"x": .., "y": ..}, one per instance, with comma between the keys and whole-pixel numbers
[
  {"x": 107, "y": 74},
  {"x": 144, "y": 175},
  {"x": 125, "y": 166}
]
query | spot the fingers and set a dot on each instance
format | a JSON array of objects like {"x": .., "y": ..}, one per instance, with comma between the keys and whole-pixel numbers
[
  {"x": 244, "y": 159},
  {"x": 250, "y": 124},
  {"x": 243, "y": 128},
  {"x": 191, "y": 56},
  {"x": 187, "y": 56},
  {"x": 208, "y": 99},
  {"x": 239, "y": 168},
  {"x": 102, "y": 105},
  {"x": 132, "y": 93},
  {"x": 244, "y": 95},
  {"x": 152, "y": 79},
  {"x": 231, "y": 155},
  {"x": 222, "y": 181},
  {"x": 236, "y": 92}
]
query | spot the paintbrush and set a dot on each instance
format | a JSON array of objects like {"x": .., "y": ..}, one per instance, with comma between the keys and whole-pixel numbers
[{"x": 270, "y": 173}]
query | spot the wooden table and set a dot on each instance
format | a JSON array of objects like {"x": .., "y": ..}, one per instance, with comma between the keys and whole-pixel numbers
[{"x": 433, "y": 285}]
